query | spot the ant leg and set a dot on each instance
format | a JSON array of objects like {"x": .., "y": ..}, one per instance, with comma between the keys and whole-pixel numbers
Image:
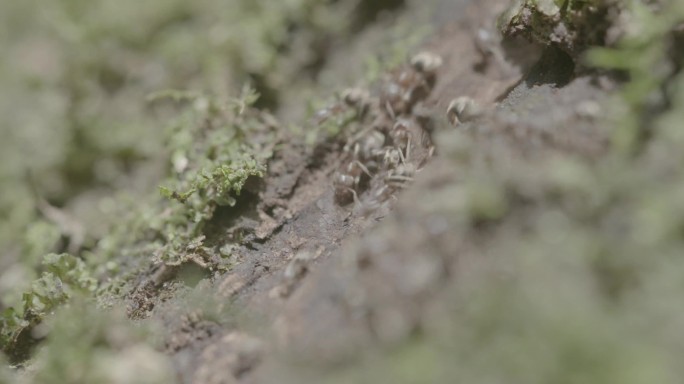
[
  {"x": 408, "y": 148},
  {"x": 355, "y": 196},
  {"x": 401, "y": 154},
  {"x": 400, "y": 178},
  {"x": 390, "y": 110},
  {"x": 363, "y": 168}
]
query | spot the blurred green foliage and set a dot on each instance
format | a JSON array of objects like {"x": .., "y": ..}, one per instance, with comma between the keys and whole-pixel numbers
[
  {"x": 91, "y": 345},
  {"x": 649, "y": 55}
]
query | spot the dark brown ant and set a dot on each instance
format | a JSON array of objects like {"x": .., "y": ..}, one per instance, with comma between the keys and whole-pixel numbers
[
  {"x": 350, "y": 98},
  {"x": 369, "y": 146},
  {"x": 427, "y": 63},
  {"x": 463, "y": 109},
  {"x": 410, "y": 84},
  {"x": 325, "y": 114},
  {"x": 401, "y": 132},
  {"x": 351, "y": 178},
  {"x": 403, "y": 171},
  {"x": 356, "y": 97}
]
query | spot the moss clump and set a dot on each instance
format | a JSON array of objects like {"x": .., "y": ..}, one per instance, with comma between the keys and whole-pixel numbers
[
  {"x": 216, "y": 148},
  {"x": 64, "y": 277},
  {"x": 569, "y": 24}
]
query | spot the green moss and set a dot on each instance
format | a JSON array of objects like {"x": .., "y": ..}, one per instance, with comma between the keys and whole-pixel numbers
[
  {"x": 216, "y": 148},
  {"x": 64, "y": 277}
]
